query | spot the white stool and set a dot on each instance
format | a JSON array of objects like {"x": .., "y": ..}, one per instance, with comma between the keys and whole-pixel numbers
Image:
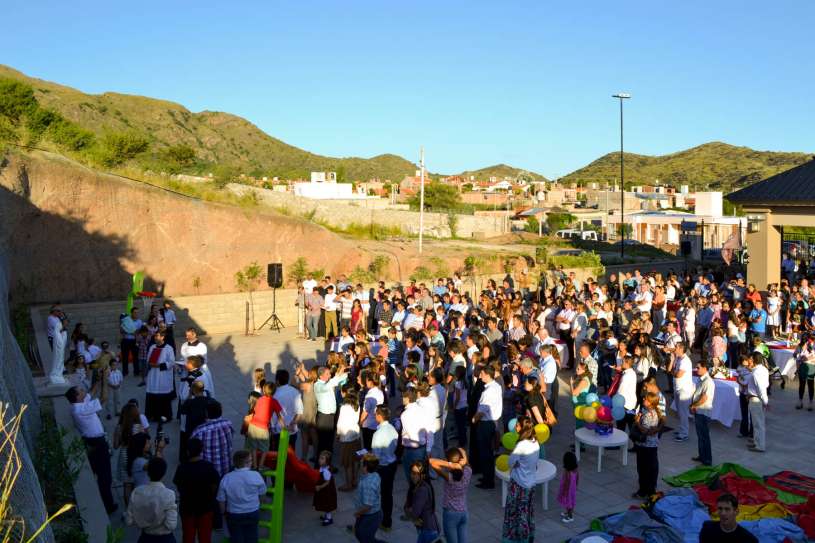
[
  {"x": 546, "y": 472},
  {"x": 618, "y": 438}
]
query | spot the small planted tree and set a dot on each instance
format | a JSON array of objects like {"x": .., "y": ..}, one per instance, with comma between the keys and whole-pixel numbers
[
  {"x": 298, "y": 271},
  {"x": 247, "y": 280}
]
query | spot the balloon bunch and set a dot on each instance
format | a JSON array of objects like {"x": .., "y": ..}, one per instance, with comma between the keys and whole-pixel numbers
[
  {"x": 510, "y": 439},
  {"x": 599, "y": 412}
]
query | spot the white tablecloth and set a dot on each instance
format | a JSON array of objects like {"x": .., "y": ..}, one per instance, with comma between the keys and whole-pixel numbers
[
  {"x": 783, "y": 357},
  {"x": 726, "y": 407}
]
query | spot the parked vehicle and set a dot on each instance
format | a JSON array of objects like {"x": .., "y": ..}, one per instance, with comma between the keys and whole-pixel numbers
[{"x": 589, "y": 235}]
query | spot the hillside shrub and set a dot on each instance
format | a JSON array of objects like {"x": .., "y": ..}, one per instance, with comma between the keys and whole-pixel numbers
[
  {"x": 16, "y": 99},
  {"x": 421, "y": 273}
]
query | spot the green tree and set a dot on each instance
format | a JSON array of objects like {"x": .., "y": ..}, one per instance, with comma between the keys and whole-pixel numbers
[
  {"x": 224, "y": 174},
  {"x": 117, "y": 148},
  {"x": 559, "y": 221},
  {"x": 182, "y": 155},
  {"x": 532, "y": 225},
  {"x": 438, "y": 196},
  {"x": 298, "y": 270},
  {"x": 16, "y": 99},
  {"x": 341, "y": 174},
  {"x": 247, "y": 280}
]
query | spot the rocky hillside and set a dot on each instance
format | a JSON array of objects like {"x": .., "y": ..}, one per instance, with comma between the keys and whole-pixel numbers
[
  {"x": 213, "y": 138},
  {"x": 715, "y": 166}
]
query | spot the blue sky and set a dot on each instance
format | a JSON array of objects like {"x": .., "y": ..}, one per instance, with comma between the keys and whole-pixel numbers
[{"x": 476, "y": 83}]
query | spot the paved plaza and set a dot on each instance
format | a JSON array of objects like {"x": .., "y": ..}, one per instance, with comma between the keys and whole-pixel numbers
[{"x": 233, "y": 357}]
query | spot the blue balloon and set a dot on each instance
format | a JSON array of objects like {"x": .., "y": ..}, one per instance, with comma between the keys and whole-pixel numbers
[
  {"x": 606, "y": 401},
  {"x": 618, "y": 413},
  {"x": 511, "y": 425},
  {"x": 591, "y": 397},
  {"x": 618, "y": 400}
]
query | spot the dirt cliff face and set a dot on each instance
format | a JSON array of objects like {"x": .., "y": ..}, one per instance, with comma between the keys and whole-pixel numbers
[{"x": 73, "y": 234}]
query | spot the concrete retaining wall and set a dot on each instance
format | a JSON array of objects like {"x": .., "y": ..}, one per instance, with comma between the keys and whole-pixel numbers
[{"x": 342, "y": 213}]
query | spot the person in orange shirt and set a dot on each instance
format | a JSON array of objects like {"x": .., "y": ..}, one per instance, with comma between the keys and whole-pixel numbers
[{"x": 258, "y": 422}]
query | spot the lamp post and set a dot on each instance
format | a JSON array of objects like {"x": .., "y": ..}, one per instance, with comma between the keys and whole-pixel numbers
[
  {"x": 622, "y": 96},
  {"x": 421, "y": 198}
]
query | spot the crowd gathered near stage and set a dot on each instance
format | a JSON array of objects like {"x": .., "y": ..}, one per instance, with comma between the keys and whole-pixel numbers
[{"x": 432, "y": 376}]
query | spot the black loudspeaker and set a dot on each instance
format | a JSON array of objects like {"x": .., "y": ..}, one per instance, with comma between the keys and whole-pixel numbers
[
  {"x": 274, "y": 274},
  {"x": 684, "y": 248}
]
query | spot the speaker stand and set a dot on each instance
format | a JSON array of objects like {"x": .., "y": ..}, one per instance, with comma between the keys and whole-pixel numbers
[{"x": 273, "y": 320}]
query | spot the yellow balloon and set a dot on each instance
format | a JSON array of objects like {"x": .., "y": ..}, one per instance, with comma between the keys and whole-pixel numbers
[
  {"x": 542, "y": 433},
  {"x": 589, "y": 414},
  {"x": 596, "y": 405},
  {"x": 502, "y": 462},
  {"x": 578, "y": 412}
]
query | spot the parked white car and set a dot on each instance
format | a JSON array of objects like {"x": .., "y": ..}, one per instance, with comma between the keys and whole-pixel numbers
[{"x": 589, "y": 235}]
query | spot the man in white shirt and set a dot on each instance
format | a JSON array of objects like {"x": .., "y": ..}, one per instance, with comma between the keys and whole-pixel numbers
[
  {"x": 291, "y": 401},
  {"x": 239, "y": 496},
  {"x": 383, "y": 445},
  {"x": 644, "y": 298},
  {"x": 490, "y": 408},
  {"x": 84, "y": 411},
  {"x": 374, "y": 397},
  {"x": 153, "y": 506},
  {"x": 682, "y": 370},
  {"x": 757, "y": 383},
  {"x": 415, "y": 434},
  {"x": 330, "y": 307},
  {"x": 130, "y": 351},
  {"x": 702, "y": 408},
  {"x": 170, "y": 320}
]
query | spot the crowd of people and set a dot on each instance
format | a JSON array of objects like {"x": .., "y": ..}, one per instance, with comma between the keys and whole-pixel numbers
[{"x": 430, "y": 376}]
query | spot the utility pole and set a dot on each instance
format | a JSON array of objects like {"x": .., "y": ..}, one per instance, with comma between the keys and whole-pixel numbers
[
  {"x": 622, "y": 96},
  {"x": 421, "y": 198}
]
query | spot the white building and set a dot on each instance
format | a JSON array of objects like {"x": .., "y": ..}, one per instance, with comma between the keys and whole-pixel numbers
[{"x": 324, "y": 186}]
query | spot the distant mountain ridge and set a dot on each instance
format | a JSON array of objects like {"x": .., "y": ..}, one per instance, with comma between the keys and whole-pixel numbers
[
  {"x": 215, "y": 137},
  {"x": 714, "y": 166},
  {"x": 501, "y": 171}
]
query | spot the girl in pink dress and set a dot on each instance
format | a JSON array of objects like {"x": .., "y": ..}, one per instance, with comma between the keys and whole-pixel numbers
[{"x": 567, "y": 495}]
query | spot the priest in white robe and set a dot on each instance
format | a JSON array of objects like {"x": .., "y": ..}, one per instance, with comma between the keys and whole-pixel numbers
[{"x": 160, "y": 380}]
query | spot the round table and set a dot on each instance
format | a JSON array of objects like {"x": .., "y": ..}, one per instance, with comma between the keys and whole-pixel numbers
[
  {"x": 545, "y": 473},
  {"x": 617, "y": 438},
  {"x": 782, "y": 355}
]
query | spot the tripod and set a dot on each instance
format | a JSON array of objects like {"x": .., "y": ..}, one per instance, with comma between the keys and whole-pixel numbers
[{"x": 273, "y": 321}]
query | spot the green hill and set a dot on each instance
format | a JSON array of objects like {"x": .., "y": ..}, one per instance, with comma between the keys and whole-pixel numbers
[
  {"x": 169, "y": 130},
  {"x": 501, "y": 171},
  {"x": 716, "y": 166}
]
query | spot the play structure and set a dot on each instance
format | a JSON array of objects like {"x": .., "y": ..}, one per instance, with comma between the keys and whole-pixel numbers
[
  {"x": 137, "y": 291},
  {"x": 778, "y": 508},
  {"x": 297, "y": 472}
]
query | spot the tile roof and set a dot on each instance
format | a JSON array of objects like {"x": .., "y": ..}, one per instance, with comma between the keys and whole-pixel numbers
[{"x": 795, "y": 186}]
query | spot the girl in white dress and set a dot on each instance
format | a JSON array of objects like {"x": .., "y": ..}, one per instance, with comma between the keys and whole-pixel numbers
[{"x": 773, "y": 313}]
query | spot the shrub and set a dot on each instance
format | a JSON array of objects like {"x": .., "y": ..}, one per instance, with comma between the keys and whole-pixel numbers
[
  {"x": 440, "y": 268},
  {"x": 421, "y": 273},
  {"x": 70, "y": 136},
  {"x": 117, "y": 148},
  {"x": 16, "y": 99},
  {"x": 532, "y": 225},
  {"x": 379, "y": 265}
]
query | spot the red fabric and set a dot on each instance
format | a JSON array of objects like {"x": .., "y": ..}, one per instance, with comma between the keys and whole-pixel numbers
[
  {"x": 621, "y": 539},
  {"x": 303, "y": 476},
  {"x": 154, "y": 356},
  {"x": 792, "y": 482},
  {"x": 805, "y": 516},
  {"x": 202, "y": 525},
  {"x": 264, "y": 408},
  {"x": 748, "y": 491}
]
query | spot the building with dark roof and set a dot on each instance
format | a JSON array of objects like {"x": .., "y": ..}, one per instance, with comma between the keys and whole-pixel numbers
[{"x": 785, "y": 199}]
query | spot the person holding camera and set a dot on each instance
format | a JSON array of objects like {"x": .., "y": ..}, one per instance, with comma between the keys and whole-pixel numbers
[{"x": 139, "y": 454}]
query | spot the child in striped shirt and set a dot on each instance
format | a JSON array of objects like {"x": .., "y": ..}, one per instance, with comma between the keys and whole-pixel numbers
[{"x": 115, "y": 387}]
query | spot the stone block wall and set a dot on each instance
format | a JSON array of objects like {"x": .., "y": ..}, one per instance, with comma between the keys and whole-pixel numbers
[{"x": 340, "y": 214}]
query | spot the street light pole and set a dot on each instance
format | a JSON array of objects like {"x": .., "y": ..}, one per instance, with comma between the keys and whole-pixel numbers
[
  {"x": 421, "y": 198},
  {"x": 622, "y": 96}
]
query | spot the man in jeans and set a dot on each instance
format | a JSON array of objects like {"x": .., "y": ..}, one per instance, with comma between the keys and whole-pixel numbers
[
  {"x": 239, "y": 496},
  {"x": 383, "y": 445},
  {"x": 314, "y": 308},
  {"x": 367, "y": 508},
  {"x": 682, "y": 370},
  {"x": 702, "y": 407}
]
